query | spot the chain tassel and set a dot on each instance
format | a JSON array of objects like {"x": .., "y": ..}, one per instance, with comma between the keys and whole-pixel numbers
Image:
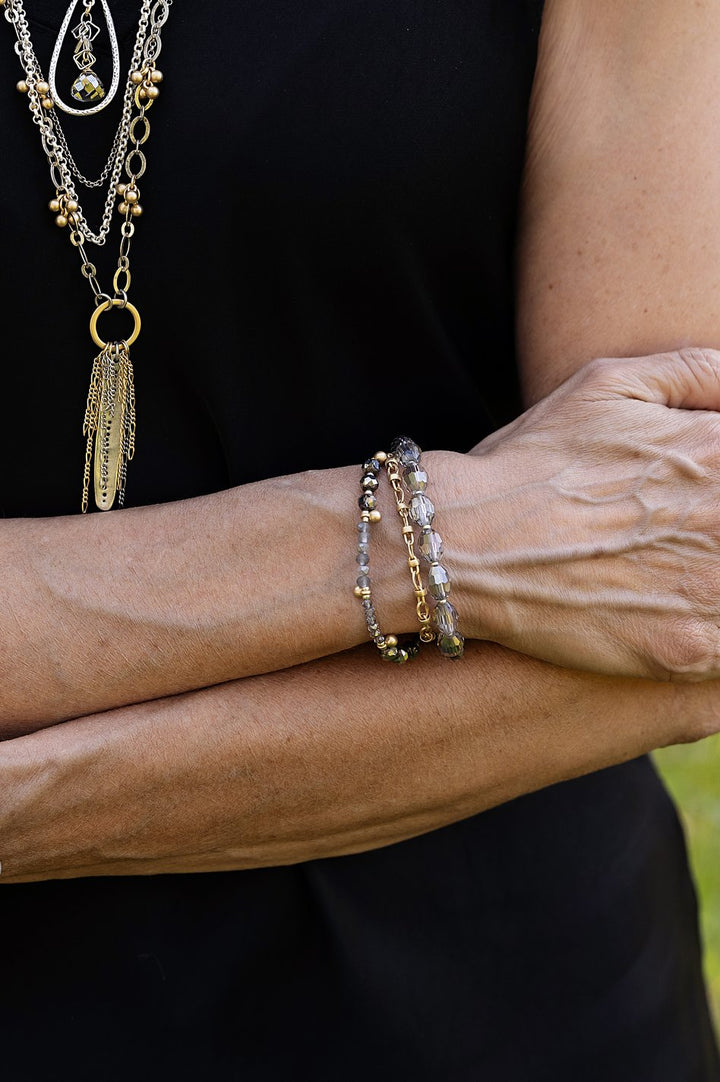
[{"x": 109, "y": 426}]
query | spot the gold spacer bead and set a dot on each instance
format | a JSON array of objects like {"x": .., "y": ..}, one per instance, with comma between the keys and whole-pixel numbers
[
  {"x": 71, "y": 206},
  {"x": 408, "y": 530},
  {"x": 121, "y": 189},
  {"x": 413, "y": 562},
  {"x": 358, "y": 591},
  {"x": 152, "y": 92},
  {"x": 136, "y": 210},
  {"x": 47, "y": 103},
  {"x": 54, "y": 206},
  {"x": 131, "y": 195},
  {"x": 381, "y": 456},
  {"x": 375, "y": 516},
  {"x": 43, "y": 89},
  {"x": 136, "y": 76},
  {"x": 156, "y": 76},
  {"x": 61, "y": 221},
  {"x": 123, "y": 207},
  {"x": 390, "y": 641},
  {"x": 22, "y": 86}
]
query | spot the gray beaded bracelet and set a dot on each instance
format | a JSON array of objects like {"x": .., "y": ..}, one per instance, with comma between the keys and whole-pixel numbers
[
  {"x": 388, "y": 645},
  {"x": 450, "y": 642}
]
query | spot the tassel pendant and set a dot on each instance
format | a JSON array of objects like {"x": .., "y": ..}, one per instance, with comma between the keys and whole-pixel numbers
[{"x": 109, "y": 425}]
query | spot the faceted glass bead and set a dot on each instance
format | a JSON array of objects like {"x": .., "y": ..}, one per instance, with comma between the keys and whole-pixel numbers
[
  {"x": 430, "y": 545},
  {"x": 369, "y": 482},
  {"x": 367, "y": 502},
  {"x": 439, "y": 582},
  {"x": 415, "y": 479},
  {"x": 362, "y": 558},
  {"x": 445, "y": 618},
  {"x": 371, "y": 466},
  {"x": 87, "y": 87},
  {"x": 422, "y": 510},
  {"x": 363, "y": 582},
  {"x": 451, "y": 646},
  {"x": 405, "y": 450}
]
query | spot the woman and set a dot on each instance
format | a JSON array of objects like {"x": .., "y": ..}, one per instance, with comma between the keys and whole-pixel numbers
[{"x": 339, "y": 186}]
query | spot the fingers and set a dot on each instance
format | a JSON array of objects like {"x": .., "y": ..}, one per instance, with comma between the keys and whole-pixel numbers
[{"x": 684, "y": 379}]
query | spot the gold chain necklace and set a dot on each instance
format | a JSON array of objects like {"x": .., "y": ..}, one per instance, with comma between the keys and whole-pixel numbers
[{"x": 109, "y": 425}]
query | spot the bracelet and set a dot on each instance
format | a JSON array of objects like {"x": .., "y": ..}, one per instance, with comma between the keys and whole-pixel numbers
[
  {"x": 389, "y": 647},
  {"x": 421, "y": 510},
  {"x": 392, "y": 467}
]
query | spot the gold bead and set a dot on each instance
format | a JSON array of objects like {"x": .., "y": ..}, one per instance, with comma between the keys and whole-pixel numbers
[
  {"x": 381, "y": 457},
  {"x": 54, "y": 205},
  {"x": 142, "y": 93},
  {"x": 153, "y": 92},
  {"x": 43, "y": 89},
  {"x": 61, "y": 220},
  {"x": 156, "y": 76},
  {"x": 358, "y": 591},
  {"x": 390, "y": 641},
  {"x": 123, "y": 207},
  {"x": 136, "y": 210},
  {"x": 121, "y": 189},
  {"x": 47, "y": 103},
  {"x": 131, "y": 195},
  {"x": 375, "y": 516},
  {"x": 22, "y": 86},
  {"x": 136, "y": 76},
  {"x": 71, "y": 206}
]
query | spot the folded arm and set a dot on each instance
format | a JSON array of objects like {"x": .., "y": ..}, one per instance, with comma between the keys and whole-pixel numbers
[{"x": 333, "y": 757}]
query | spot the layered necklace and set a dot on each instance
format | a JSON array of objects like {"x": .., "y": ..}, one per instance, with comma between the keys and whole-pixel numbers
[{"x": 109, "y": 425}]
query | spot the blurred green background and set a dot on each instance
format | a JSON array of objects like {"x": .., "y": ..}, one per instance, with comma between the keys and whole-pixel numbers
[{"x": 692, "y": 773}]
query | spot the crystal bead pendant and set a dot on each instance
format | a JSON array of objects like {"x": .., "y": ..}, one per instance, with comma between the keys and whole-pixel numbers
[{"x": 88, "y": 88}]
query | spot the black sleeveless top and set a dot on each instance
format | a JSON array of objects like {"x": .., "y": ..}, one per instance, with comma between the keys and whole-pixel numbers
[{"x": 330, "y": 203}]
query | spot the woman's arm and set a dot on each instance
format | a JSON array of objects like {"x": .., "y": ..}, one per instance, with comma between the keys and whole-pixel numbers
[
  {"x": 620, "y": 251},
  {"x": 585, "y": 534},
  {"x": 330, "y": 758}
]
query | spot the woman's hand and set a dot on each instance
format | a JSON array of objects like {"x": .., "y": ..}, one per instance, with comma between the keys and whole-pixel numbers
[{"x": 596, "y": 544}]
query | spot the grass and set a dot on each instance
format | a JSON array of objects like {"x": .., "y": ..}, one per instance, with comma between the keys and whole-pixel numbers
[{"x": 692, "y": 773}]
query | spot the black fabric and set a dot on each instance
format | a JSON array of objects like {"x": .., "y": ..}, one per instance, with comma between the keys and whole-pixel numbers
[{"x": 330, "y": 206}]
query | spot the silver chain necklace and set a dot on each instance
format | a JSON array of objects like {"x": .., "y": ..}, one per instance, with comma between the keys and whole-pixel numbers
[{"x": 110, "y": 412}]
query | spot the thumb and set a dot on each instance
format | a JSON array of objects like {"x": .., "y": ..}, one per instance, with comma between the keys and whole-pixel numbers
[{"x": 684, "y": 379}]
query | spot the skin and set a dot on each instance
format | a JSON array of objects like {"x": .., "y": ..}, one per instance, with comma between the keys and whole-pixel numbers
[{"x": 259, "y": 770}]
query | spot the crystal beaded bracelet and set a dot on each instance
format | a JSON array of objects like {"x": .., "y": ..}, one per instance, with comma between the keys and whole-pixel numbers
[
  {"x": 388, "y": 645},
  {"x": 421, "y": 509}
]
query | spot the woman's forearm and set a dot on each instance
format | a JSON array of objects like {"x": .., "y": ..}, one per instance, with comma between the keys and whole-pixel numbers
[
  {"x": 103, "y": 611},
  {"x": 323, "y": 760},
  {"x": 584, "y": 534}
]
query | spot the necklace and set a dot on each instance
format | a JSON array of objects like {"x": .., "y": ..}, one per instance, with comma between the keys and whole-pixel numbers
[{"x": 109, "y": 425}]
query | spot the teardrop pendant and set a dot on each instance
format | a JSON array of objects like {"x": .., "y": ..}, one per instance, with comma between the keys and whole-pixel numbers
[{"x": 88, "y": 87}]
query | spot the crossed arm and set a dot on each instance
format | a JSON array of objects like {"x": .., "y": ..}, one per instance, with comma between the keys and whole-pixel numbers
[{"x": 341, "y": 753}]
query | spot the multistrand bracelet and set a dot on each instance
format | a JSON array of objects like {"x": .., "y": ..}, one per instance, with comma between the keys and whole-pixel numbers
[{"x": 407, "y": 480}]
